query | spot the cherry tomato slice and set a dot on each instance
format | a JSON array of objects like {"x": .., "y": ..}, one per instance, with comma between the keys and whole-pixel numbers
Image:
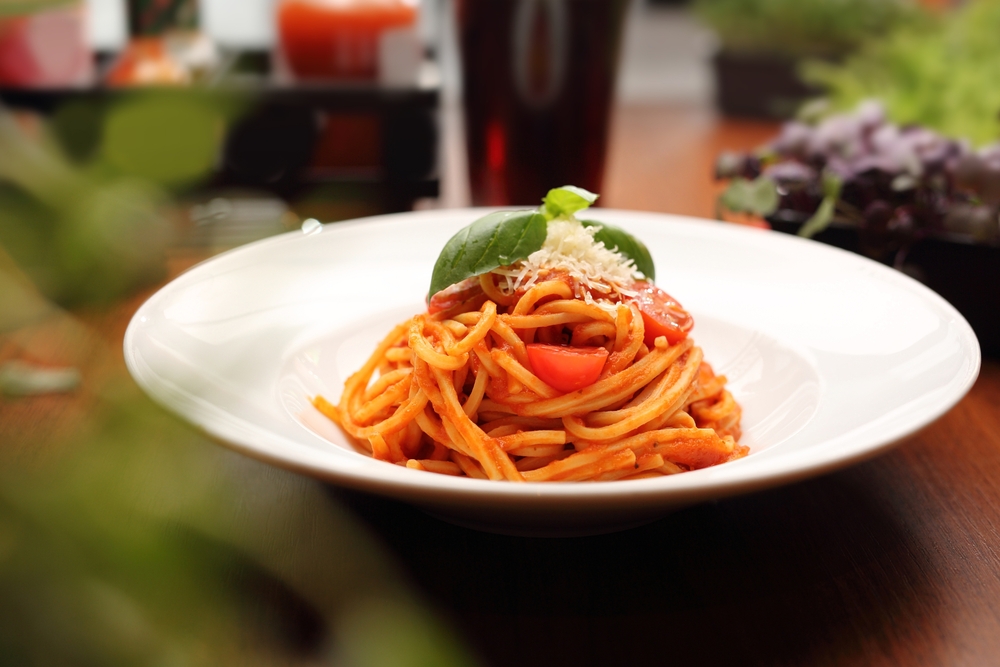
[
  {"x": 566, "y": 368},
  {"x": 454, "y": 295},
  {"x": 661, "y": 314}
]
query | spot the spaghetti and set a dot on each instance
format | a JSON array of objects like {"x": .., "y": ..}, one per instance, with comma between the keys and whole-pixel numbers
[{"x": 467, "y": 388}]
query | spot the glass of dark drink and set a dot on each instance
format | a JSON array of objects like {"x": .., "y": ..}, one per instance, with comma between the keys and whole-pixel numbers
[{"x": 538, "y": 79}]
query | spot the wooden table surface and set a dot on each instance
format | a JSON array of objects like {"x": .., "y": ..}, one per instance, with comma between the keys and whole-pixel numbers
[{"x": 895, "y": 561}]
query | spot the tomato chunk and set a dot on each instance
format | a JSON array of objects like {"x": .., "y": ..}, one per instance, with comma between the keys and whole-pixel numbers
[
  {"x": 566, "y": 368},
  {"x": 454, "y": 295},
  {"x": 661, "y": 314}
]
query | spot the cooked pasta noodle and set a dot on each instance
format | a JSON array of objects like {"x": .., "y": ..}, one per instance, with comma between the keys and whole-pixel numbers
[{"x": 454, "y": 393}]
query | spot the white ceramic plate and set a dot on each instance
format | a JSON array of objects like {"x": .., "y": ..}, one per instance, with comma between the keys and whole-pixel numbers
[{"x": 833, "y": 357}]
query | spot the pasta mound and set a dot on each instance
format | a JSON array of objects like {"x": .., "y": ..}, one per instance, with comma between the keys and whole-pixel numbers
[{"x": 453, "y": 392}]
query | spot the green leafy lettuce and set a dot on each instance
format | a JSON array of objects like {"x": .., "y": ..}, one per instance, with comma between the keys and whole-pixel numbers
[{"x": 940, "y": 73}]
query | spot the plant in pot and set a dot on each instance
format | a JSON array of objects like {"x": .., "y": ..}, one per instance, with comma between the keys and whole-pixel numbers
[
  {"x": 762, "y": 43},
  {"x": 912, "y": 180},
  {"x": 940, "y": 72}
]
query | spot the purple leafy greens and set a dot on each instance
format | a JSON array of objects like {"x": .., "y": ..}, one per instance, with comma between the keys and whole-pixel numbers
[{"x": 895, "y": 183}]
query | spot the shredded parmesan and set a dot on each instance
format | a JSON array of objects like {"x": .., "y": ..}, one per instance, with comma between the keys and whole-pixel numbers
[{"x": 570, "y": 248}]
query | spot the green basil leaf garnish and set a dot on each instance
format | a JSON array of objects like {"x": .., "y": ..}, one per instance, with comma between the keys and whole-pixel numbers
[
  {"x": 495, "y": 240},
  {"x": 566, "y": 201},
  {"x": 617, "y": 239}
]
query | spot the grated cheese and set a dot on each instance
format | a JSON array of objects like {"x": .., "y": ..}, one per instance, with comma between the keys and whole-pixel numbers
[{"x": 570, "y": 247}]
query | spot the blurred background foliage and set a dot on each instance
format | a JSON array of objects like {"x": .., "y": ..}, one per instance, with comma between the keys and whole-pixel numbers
[
  {"x": 940, "y": 72},
  {"x": 97, "y": 180},
  {"x": 126, "y": 538},
  {"x": 20, "y": 7},
  {"x": 929, "y": 63},
  {"x": 797, "y": 28}
]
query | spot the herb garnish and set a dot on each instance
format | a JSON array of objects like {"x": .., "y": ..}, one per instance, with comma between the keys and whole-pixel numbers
[
  {"x": 495, "y": 240},
  {"x": 626, "y": 245},
  {"x": 565, "y": 201},
  {"x": 504, "y": 237}
]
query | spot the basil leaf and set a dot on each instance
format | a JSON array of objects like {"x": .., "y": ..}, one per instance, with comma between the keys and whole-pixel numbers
[
  {"x": 617, "y": 239},
  {"x": 495, "y": 240},
  {"x": 566, "y": 201}
]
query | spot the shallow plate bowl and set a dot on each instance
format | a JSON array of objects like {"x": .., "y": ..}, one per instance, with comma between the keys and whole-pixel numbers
[{"x": 834, "y": 358}]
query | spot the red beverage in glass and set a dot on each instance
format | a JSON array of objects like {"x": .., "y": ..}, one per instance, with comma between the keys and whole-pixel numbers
[{"x": 538, "y": 79}]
